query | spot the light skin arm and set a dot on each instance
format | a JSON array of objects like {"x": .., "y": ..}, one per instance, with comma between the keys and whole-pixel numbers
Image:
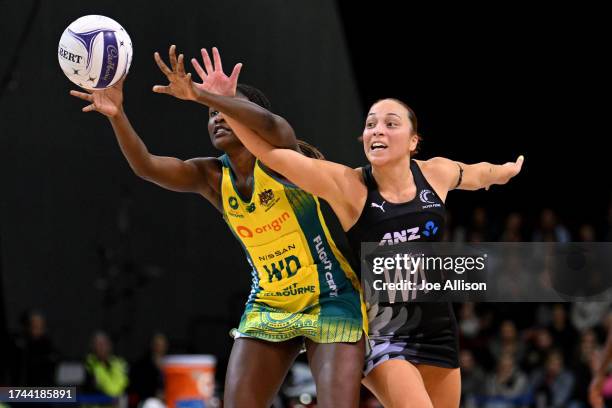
[
  {"x": 273, "y": 128},
  {"x": 444, "y": 174},
  {"x": 339, "y": 185}
]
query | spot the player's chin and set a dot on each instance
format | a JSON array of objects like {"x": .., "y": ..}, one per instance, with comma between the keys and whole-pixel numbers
[
  {"x": 378, "y": 157},
  {"x": 225, "y": 141}
]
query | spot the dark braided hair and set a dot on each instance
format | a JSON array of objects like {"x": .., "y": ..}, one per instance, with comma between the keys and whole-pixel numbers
[
  {"x": 254, "y": 95},
  {"x": 309, "y": 150},
  {"x": 259, "y": 98}
]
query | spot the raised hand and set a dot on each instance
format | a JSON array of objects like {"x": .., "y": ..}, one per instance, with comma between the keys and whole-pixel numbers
[
  {"x": 108, "y": 101},
  {"x": 181, "y": 86},
  {"x": 509, "y": 170},
  {"x": 213, "y": 78},
  {"x": 515, "y": 167}
]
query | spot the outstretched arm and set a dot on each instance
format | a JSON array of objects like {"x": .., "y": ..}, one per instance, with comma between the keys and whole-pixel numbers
[
  {"x": 196, "y": 175},
  {"x": 339, "y": 185},
  {"x": 274, "y": 129},
  {"x": 252, "y": 123},
  {"x": 449, "y": 175},
  {"x": 328, "y": 180}
]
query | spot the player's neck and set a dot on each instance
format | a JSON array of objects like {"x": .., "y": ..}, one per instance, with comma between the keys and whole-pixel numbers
[
  {"x": 394, "y": 177},
  {"x": 242, "y": 162}
]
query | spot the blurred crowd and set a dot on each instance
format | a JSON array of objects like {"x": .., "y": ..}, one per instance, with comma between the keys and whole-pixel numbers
[
  {"x": 102, "y": 377},
  {"x": 512, "y": 354},
  {"x": 530, "y": 354}
]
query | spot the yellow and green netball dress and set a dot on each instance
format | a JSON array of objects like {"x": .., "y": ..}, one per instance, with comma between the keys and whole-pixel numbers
[{"x": 302, "y": 284}]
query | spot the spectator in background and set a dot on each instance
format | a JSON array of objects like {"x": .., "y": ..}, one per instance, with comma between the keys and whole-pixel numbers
[
  {"x": 450, "y": 233},
  {"x": 480, "y": 229},
  {"x": 472, "y": 379},
  {"x": 553, "y": 385},
  {"x": 581, "y": 365},
  {"x": 469, "y": 323},
  {"x": 540, "y": 345},
  {"x": 550, "y": 230},
  {"x": 36, "y": 357},
  {"x": 586, "y": 315},
  {"x": 586, "y": 233},
  {"x": 513, "y": 229},
  {"x": 563, "y": 334},
  {"x": 146, "y": 378},
  {"x": 507, "y": 342},
  {"x": 601, "y": 365},
  {"x": 454, "y": 231},
  {"x": 105, "y": 373},
  {"x": 508, "y": 383}
]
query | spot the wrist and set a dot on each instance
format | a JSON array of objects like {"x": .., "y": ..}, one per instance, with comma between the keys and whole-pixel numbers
[
  {"x": 199, "y": 96},
  {"x": 501, "y": 174},
  {"x": 195, "y": 93},
  {"x": 119, "y": 114},
  {"x": 204, "y": 97}
]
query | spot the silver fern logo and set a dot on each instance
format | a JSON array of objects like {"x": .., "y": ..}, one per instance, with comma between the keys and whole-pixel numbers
[{"x": 424, "y": 196}]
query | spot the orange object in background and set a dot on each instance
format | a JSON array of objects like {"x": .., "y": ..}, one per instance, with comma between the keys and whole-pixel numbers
[{"x": 189, "y": 380}]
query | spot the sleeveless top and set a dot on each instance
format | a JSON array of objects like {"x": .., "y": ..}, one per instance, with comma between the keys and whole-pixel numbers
[{"x": 302, "y": 285}]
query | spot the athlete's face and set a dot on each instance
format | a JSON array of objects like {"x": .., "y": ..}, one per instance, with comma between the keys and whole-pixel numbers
[
  {"x": 388, "y": 134},
  {"x": 221, "y": 135}
]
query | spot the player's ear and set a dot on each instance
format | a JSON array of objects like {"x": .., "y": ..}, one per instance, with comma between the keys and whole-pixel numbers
[{"x": 415, "y": 139}]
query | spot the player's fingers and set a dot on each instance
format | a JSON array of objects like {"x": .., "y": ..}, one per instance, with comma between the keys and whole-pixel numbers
[
  {"x": 207, "y": 63},
  {"x": 161, "y": 89},
  {"x": 89, "y": 108},
  {"x": 82, "y": 95},
  {"x": 217, "y": 59},
  {"x": 236, "y": 72},
  {"x": 180, "y": 64},
  {"x": 172, "y": 55},
  {"x": 198, "y": 68},
  {"x": 162, "y": 65}
]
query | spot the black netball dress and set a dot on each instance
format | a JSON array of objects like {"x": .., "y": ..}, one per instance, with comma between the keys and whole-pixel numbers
[{"x": 418, "y": 332}]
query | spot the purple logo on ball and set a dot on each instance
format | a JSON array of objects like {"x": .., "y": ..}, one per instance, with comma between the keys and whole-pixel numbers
[{"x": 110, "y": 57}]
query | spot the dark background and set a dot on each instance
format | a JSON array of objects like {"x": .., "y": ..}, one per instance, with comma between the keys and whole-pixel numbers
[{"x": 93, "y": 246}]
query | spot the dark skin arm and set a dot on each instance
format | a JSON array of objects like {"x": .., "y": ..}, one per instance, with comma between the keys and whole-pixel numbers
[
  {"x": 199, "y": 175},
  {"x": 272, "y": 128}
]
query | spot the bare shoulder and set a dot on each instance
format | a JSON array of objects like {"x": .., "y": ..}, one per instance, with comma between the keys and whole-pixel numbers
[
  {"x": 358, "y": 171},
  {"x": 436, "y": 164},
  {"x": 210, "y": 170},
  {"x": 441, "y": 173},
  {"x": 207, "y": 163},
  {"x": 355, "y": 180},
  {"x": 350, "y": 196},
  {"x": 439, "y": 168}
]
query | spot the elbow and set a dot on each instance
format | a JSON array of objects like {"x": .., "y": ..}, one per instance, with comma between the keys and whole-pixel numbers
[
  {"x": 271, "y": 122},
  {"x": 142, "y": 170}
]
